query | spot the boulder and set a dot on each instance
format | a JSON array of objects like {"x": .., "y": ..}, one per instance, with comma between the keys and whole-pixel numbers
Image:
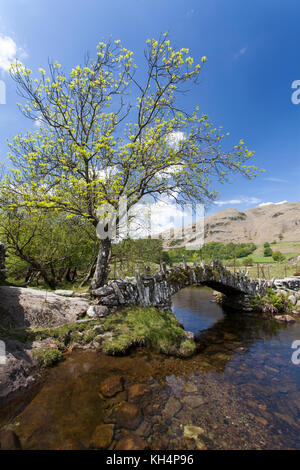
[
  {"x": 190, "y": 335},
  {"x": 292, "y": 299},
  {"x": 9, "y": 441},
  {"x": 66, "y": 293},
  {"x": 193, "y": 432},
  {"x": 172, "y": 407},
  {"x": 111, "y": 386},
  {"x": 102, "y": 436},
  {"x": 137, "y": 391},
  {"x": 20, "y": 370},
  {"x": 128, "y": 416},
  {"x": 97, "y": 311},
  {"x": 26, "y": 307},
  {"x": 132, "y": 442},
  {"x": 285, "y": 318}
]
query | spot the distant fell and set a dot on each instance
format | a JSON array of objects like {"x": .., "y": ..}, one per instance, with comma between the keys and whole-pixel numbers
[{"x": 268, "y": 222}]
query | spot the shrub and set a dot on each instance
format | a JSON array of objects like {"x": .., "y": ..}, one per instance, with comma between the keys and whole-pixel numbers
[
  {"x": 268, "y": 251},
  {"x": 256, "y": 301},
  {"x": 278, "y": 256}
]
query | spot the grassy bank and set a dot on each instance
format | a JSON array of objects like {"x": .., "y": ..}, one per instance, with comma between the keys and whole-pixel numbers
[
  {"x": 115, "y": 334},
  {"x": 146, "y": 326}
]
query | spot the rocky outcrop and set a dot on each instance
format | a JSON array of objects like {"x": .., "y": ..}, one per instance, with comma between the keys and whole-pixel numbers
[
  {"x": 156, "y": 290},
  {"x": 19, "y": 371},
  {"x": 20, "y": 310},
  {"x": 24, "y": 307}
]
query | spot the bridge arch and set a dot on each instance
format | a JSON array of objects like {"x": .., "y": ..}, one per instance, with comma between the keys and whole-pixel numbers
[{"x": 156, "y": 290}]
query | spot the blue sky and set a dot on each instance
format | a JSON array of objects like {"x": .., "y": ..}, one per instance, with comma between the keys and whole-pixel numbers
[{"x": 253, "y": 57}]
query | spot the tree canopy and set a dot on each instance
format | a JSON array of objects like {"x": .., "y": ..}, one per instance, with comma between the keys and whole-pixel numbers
[{"x": 105, "y": 133}]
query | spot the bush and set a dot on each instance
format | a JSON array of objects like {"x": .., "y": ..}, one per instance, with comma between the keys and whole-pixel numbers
[
  {"x": 278, "y": 256},
  {"x": 268, "y": 251},
  {"x": 280, "y": 302}
]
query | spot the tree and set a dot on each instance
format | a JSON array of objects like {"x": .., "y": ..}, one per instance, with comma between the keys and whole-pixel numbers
[
  {"x": 46, "y": 245},
  {"x": 268, "y": 251},
  {"x": 104, "y": 133},
  {"x": 278, "y": 256}
]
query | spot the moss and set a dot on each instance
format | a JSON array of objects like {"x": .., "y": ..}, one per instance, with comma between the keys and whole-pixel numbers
[
  {"x": 146, "y": 326},
  {"x": 118, "y": 346},
  {"x": 47, "y": 357},
  {"x": 179, "y": 277},
  {"x": 187, "y": 348}
]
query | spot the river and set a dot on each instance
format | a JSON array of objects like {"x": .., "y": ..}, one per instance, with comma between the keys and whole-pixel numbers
[{"x": 240, "y": 391}]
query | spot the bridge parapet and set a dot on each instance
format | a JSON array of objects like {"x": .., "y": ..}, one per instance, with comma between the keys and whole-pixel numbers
[{"x": 157, "y": 289}]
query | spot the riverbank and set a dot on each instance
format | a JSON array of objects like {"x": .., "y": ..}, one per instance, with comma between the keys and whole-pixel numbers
[{"x": 28, "y": 350}]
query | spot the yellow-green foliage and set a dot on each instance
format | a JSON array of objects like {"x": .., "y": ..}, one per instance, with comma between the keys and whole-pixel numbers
[
  {"x": 82, "y": 129},
  {"x": 146, "y": 326}
]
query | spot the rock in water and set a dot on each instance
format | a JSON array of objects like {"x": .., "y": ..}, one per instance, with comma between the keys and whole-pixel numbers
[
  {"x": 9, "y": 441},
  {"x": 128, "y": 416},
  {"x": 285, "y": 318},
  {"x": 102, "y": 436},
  {"x": 111, "y": 386},
  {"x": 137, "y": 391},
  {"x": 193, "y": 432},
  {"x": 132, "y": 442}
]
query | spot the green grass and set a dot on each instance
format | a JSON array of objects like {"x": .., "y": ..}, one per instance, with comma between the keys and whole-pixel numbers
[
  {"x": 146, "y": 326},
  {"x": 62, "y": 334},
  {"x": 47, "y": 357}
]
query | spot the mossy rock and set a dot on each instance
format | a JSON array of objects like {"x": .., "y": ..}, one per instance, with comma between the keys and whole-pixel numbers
[{"x": 146, "y": 326}]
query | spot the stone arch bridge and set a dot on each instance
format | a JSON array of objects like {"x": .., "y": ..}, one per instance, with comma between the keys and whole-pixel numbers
[{"x": 157, "y": 289}]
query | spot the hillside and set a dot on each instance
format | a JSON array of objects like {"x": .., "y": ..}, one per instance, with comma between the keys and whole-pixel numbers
[{"x": 257, "y": 225}]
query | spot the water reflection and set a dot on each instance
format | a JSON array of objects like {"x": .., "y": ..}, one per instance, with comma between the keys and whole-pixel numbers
[{"x": 194, "y": 308}]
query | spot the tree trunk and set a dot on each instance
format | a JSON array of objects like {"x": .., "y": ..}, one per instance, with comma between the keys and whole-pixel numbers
[
  {"x": 51, "y": 281},
  {"x": 89, "y": 272},
  {"x": 102, "y": 264},
  {"x": 68, "y": 275}
]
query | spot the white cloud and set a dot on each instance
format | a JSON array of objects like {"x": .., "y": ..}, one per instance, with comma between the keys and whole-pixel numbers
[
  {"x": 175, "y": 138},
  {"x": 9, "y": 52},
  {"x": 271, "y": 203},
  {"x": 38, "y": 122},
  {"x": 275, "y": 180},
  {"x": 242, "y": 200},
  {"x": 240, "y": 53},
  {"x": 156, "y": 218}
]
